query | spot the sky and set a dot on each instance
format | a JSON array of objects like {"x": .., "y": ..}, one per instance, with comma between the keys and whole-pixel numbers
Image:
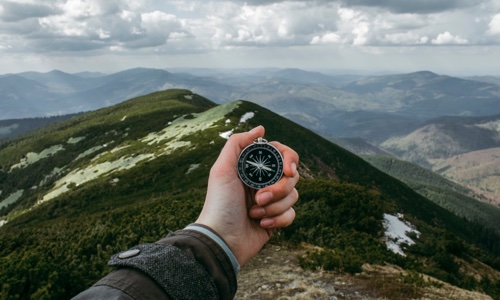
[{"x": 454, "y": 37}]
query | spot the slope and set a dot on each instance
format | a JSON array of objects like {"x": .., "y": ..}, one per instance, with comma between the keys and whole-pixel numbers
[
  {"x": 480, "y": 169},
  {"x": 445, "y": 193},
  {"x": 98, "y": 183}
]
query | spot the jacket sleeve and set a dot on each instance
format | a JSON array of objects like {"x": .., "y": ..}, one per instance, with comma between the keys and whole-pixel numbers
[{"x": 194, "y": 263}]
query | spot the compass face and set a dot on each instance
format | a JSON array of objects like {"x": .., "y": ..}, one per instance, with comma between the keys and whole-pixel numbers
[{"x": 260, "y": 165}]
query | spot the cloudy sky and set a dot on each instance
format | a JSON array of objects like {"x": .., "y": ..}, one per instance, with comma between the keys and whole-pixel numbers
[{"x": 459, "y": 37}]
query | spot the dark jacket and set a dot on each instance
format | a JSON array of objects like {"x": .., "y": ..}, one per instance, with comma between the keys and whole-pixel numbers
[{"x": 194, "y": 263}]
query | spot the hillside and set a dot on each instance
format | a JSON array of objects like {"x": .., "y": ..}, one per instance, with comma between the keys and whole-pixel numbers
[
  {"x": 480, "y": 169},
  {"x": 463, "y": 149},
  {"x": 447, "y": 194},
  {"x": 77, "y": 191},
  {"x": 16, "y": 127}
]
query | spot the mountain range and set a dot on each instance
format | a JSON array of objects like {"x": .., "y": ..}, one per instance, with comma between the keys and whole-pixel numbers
[
  {"x": 421, "y": 117},
  {"x": 74, "y": 192}
]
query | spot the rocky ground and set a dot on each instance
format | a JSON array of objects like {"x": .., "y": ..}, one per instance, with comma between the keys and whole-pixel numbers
[{"x": 275, "y": 274}]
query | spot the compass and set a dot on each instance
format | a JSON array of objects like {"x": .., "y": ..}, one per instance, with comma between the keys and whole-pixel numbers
[{"x": 260, "y": 164}]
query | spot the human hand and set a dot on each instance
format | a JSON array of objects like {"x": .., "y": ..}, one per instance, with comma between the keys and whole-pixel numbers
[{"x": 244, "y": 218}]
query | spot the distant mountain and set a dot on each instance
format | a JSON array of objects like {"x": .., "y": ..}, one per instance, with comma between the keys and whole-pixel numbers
[
  {"x": 33, "y": 94},
  {"x": 479, "y": 169},
  {"x": 464, "y": 149},
  {"x": 374, "y": 108},
  {"x": 74, "y": 192},
  {"x": 448, "y": 194},
  {"x": 488, "y": 79},
  {"x": 359, "y": 146},
  {"x": 427, "y": 94},
  {"x": 22, "y": 97},
  {"x": 60, "y": 82},
  {"x": 13, "y": 128},
  {"x": 446, "y": 137}
]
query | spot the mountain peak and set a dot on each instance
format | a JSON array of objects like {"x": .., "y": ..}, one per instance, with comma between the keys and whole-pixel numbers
[{"x": 423, "y": 74}]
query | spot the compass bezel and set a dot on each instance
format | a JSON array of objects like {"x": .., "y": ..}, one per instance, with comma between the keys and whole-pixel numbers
[{"x": 253, "y": 149}]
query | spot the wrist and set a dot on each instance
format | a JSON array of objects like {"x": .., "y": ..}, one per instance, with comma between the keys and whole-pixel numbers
[{"x": 212, "y": 234}]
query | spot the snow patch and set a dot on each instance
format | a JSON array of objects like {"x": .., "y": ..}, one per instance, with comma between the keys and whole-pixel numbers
[
  {"x": 74, "y": 140},
  {"x": 192, "y": 168},
  {"x": 247, "y": 116},
  {"x": 80, "y": 176},
  {"x": 227, "y": 134},
  {"x": 3, "y": 222},
  {"x": 53, "y": 173},
  {"x": 32, "y": 157},
  {"x": 396, "y": 233},
  {"x": 89, "y": 152},
  {"x": 189, "y": 97},
  {"x": 12, "y": 198},
  {"x": 119, "y": 148},
  {"x": 175, "y": 145},
  {"x": 183, "y": 126},
  {"x": 124, "y": 118}
]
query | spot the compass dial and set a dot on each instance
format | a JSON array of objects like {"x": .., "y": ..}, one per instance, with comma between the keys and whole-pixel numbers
[{"x": 259, "y": 165}]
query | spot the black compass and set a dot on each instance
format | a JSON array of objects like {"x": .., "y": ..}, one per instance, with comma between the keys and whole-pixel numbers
[{"x": 260, "y": 164}]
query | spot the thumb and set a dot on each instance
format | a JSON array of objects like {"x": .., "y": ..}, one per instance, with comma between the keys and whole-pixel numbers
[{"x": 236, "y": 143}]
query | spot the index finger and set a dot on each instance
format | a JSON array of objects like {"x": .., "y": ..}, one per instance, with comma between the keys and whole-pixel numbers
[{"x": 290, "y": 159}]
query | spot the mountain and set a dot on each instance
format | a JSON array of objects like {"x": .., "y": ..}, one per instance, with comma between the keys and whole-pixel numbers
[
  {"x": 464, "y": 149},
  {"x": 448, "y": 194},
  {"x": 60, "y": 82},
  {"x": 446, "y": 137},
  {"x": 20, "y": 97},
  {"x": 488, "y": 79},
  {"x": 427, "y": 94},
  {"x": 12, "y": 128},
  {"x": 34, "y": 94},
  {"x": 374, "y": 108},
  {"x": 479, "y": 169},
  {"x": 359, "y": 146},
  {"x": 74, "y": 192}
]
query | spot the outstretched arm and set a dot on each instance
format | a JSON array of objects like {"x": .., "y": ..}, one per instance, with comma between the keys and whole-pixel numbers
[{"x": 202, "y": 260}]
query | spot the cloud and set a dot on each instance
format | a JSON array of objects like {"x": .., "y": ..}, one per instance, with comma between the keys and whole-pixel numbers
[
  {"x": 447, "y": 38},
  {"x": 327, "y": 38},
  {"x": 413, "y": 6},
  {"x": 494, "y": 25},
  {"x": 50, "y": 28},
  {"x": 15, "y": 11}
]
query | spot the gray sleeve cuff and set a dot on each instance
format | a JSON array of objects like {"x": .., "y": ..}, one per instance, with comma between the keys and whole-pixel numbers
[
  {"x": 171, "y": 268},
  {"x": 211, "y": 234}
]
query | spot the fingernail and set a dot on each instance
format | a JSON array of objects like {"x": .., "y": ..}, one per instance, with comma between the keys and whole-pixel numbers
[
  {"x": 258, "y": 212},
  {"x": 264, "y": 198},
  {"x": 254, "y": 129},
  {"x": 294, "y": 168},
  {"x": 266, "y": 223}
]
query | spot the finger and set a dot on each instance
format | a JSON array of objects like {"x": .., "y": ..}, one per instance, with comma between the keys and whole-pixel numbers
[
  {"x": 276, "y": 208},
  {"x": 276, "y": 191},
  {"x": 279, "y": 221},
  {"x": 290, "y": 158},
  {"x": 236, "y": 143}
]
